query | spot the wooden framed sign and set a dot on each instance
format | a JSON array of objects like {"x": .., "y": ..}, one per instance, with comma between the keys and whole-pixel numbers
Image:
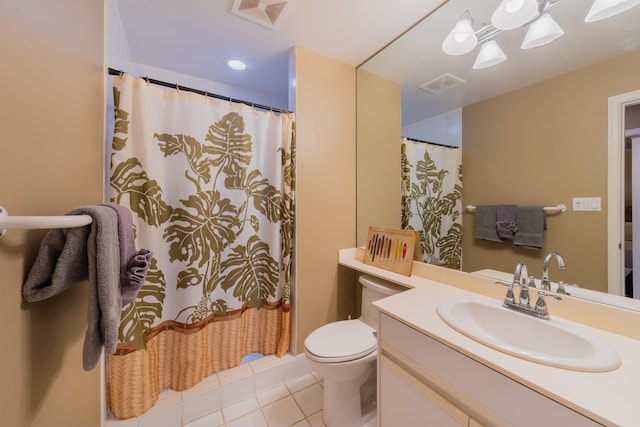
[{"x": 390, "y": 249}]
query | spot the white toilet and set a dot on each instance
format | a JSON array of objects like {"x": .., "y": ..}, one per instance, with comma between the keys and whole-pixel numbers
[{"x": 344, "y": 353}]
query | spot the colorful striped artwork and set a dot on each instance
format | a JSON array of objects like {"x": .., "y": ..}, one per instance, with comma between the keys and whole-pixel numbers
[{"x": 390, "y": 249}]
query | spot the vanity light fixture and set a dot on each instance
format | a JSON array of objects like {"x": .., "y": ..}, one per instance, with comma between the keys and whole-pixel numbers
[
  {"x": 602, "y": 9},
  {"x": 462, "y": 38},
  {"x": 490, "y": 54},
  {"x": 513, "y": 14},
  {"x": 542, "y": 31}
]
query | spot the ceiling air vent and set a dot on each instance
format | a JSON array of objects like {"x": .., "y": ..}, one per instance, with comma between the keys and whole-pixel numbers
[
  {"x": 268, "y": 13},
  {"x": 442, "y": 84}
]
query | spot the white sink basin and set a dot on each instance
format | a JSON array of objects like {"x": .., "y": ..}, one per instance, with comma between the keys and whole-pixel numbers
[{"x": 555, "y": 342}]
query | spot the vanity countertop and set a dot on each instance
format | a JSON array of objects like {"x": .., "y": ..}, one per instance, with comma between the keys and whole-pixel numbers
[{"x": 610, "y": 398}]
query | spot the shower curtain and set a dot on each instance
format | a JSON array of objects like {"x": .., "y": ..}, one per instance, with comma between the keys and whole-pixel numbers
[
  {"x": 432, "y": 199},
  {"x": 210, "y": 185}
]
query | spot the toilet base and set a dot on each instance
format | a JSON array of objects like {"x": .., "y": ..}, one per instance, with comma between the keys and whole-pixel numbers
[{"x": 348, "y": 400}]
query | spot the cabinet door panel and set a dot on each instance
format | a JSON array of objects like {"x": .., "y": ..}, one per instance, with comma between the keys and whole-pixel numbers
[{"x": 408, "y": 402}]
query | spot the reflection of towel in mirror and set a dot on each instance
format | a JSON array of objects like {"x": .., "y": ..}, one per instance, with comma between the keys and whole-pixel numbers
[
  {"x": 485, "y": 223},
  {"x": 531, "y": 223},
  {"x": 506, "y": 221},
  {"x": 69, "y": 256},
  {"x": 133, "y": 264}
]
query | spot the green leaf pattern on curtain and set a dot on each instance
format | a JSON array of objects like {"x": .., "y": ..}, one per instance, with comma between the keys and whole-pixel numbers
[
  {"x": 204, "y": 231},
  {"x": 128, "y": 178},
  {"x": 432, "y": 200},
  {"x": 138, "y": 316}
]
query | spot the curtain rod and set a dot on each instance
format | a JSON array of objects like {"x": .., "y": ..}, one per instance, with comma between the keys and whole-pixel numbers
[
  {"x": 429, "y": 142},
  {"x": 114, "y": 72}
]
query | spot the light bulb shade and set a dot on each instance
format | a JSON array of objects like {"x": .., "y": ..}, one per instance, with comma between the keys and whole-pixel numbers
[
  {"x": 602, "y": 9},
  {"x": 490, "y": 54},
  {"x": 543, "y": 31},
  {"x": 461, "y": 39},
  {"x": 236, "y": 64},
  {"x": 514, "y": 14}
]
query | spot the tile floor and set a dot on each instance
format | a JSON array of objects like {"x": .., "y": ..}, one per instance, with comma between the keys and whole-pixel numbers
[
  {"x": 268, "y": 392},
  {"x": 296, "y": 402}
]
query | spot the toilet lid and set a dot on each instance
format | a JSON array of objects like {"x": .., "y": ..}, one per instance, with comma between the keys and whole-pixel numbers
[{"x": 343, "y": 340}]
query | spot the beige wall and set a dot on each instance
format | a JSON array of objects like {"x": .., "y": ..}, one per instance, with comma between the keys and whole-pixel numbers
[
  {"x": 52, "y": 161},
  {"x": 546, "y": 144},
  {"x": 379, "y": 129},
  {"x": 326, "y": 190}
]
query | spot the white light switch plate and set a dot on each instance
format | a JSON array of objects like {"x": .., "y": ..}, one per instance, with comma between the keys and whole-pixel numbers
[{"x": 592, "y": 204}]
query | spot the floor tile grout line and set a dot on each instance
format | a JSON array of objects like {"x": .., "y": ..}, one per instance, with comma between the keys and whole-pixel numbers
[
  {"x": 304, "y": 416},
  {"x": 290, "y": 393},
  {"x": 261, "y": 407}
]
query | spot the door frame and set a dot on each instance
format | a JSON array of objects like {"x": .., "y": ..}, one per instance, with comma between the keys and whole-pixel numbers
[{"x": 615, "y": 228}]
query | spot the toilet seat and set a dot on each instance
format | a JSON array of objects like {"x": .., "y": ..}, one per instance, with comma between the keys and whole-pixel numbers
[{"x": 341, "y": 341}]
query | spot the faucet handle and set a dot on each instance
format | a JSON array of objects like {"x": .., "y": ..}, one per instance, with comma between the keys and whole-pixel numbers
[
  {"x": 541, "y": 305},
  {"x": 509, "y": 297},
  {"x": 561, "y": 289}
]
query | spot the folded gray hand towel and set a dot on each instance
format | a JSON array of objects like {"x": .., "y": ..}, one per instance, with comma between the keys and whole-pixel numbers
[
  {"x": 531, "y": 223},
  {"x": 485, "y": 223},
  {"x": 69, "y": 256},
  {"x": 506, "y": 221}
]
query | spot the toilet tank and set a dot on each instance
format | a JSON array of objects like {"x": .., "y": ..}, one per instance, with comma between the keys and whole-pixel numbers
[{"x": 374, "y": 289}]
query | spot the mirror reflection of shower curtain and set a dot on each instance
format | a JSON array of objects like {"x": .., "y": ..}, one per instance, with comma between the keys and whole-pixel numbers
[
  {"x": 432, "y": 199},
  {"x": 210, "y": 187}
]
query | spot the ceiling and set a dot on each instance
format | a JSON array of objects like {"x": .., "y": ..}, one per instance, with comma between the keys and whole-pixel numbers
[
  {"x": 418, "y": 58},
  {"x": 194, "y": 37}
]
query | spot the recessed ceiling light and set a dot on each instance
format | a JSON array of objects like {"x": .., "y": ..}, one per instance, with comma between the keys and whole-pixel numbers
[{"x": 236, "y": 64}]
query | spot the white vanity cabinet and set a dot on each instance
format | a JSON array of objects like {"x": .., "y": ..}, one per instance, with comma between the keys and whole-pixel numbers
[
  {"x": 408, "y": 401},
  {"x": 423, "y": 382}
]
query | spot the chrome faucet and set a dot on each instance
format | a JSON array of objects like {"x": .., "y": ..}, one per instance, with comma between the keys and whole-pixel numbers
[
  {"x": 545, "y": 283},
  {"x": 520, "y": 279},
  {"x": 521, "y": 275}
]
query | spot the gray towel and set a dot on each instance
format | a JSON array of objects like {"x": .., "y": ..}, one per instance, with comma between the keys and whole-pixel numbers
[
  {"x": 506, "y": 221},
  {"x": 133, "y": 264},
  {"x": 485, "y": 223},
  {"x": 136, "y": 274},
  {"x": 69, "y": 256},
  {"x": 531, "y": 223}
]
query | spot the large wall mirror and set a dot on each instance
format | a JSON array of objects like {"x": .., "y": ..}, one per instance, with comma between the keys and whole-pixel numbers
[{"x": 535, "y": 129}]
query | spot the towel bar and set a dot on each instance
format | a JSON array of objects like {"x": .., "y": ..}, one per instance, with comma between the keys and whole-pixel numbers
[
  {"x": 33, "y": 222},
  {"x": 548, "y": 209}
]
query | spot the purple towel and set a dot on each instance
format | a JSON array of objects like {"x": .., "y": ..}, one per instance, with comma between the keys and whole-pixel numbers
[
  {"x": 136, "y": 273},
  {"x": 506, "y": 221},
  {"x": 133, "y": 264}
]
